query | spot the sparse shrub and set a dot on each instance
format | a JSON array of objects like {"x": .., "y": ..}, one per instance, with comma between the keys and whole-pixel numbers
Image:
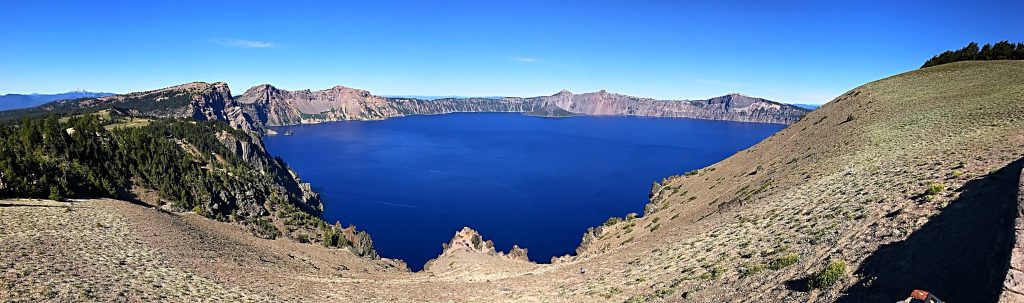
[
  {"x": 631, "y": 216},
  {"x": 611, "y": 221},
  {"x": 713, "y": 273},
  {"x": 829, "y": 275},
  {"x": 749, "y": 270},
  {"x": 691, "y": 173},
  {"x": 263, "y": 228},
  {"x": 783, "y": 262},
  {"x": 55, "y": 194},
  {"x": 957, "y": 173},
  {"x": 200, "y": 210},
  {"x": 935, "y": 188}
]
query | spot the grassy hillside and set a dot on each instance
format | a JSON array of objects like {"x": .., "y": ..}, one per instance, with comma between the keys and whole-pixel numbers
[{"x": 882, "y": 163}]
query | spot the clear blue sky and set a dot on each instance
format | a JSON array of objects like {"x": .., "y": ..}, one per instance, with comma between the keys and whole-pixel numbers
[{"x": 806, "y": 52}]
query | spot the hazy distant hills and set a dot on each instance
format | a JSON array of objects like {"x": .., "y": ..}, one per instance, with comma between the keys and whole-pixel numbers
[
  {"x": 806, "y": 106},
  {"x": 15, "y": 101}
]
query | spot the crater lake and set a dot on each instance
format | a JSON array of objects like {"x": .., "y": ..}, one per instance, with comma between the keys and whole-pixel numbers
[{"x": 412, "y": 182}]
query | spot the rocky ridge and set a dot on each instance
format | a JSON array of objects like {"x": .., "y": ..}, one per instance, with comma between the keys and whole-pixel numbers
[
  {"x": 276, "y": 107},
  {"x": 198, "y": 100},
  {"x": 266, "y": 105}
]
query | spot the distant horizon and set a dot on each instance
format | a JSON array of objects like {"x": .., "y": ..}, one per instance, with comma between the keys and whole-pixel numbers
[
  {"x": 418, "y": 96},
  {"x": 805, "y": 52}
]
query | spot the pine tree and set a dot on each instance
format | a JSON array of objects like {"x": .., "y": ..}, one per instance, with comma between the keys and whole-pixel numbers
[
  {"x": 1002, "y": 50},
  {"x": 985, "y": 53},
  {"x": 969, "y": 52}
]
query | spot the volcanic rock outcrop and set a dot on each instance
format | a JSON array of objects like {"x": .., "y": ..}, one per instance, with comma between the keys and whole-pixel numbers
[{"x": 468, "y": 244}]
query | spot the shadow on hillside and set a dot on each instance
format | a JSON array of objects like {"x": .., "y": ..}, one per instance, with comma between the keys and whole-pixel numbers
[
  {"x": 28, "y": 205},
  {"x": 961, "y": 255}
]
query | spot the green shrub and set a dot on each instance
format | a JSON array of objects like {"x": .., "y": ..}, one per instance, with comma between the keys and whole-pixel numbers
[
  {"x": 749, "y": 270},
  {"x": 55, "y": 194},
  {"x": 829, "y": 275},
  {"x": 200, "y": 210},
  {"x": 611, "y": 221},
  {"x": 692, "y": 172},
  {"x": 935, "y": 188},
  {"x": 783, "y": 262}
]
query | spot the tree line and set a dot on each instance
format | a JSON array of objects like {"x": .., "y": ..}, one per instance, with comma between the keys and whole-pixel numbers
[
  {"x": 183, "y": 161},
  {"x": 188, "y": 163},
  {"x": 1003, "y": 50}
]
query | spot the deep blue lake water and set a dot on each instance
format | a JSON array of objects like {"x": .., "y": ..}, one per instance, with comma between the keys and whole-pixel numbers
[{"x": 412, "y": 182}]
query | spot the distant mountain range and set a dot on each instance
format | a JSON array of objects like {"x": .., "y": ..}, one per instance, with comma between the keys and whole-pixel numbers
[
  {"x": 806, "y": 106},
  {"x": 265, "y": 105},
  {"x": 16, "y": 101}
]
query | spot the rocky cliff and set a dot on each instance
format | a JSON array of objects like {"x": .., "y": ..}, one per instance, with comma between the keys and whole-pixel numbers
[
  {"x": 274, "y": 107},
  {"x": 199, "y": 100},
  {"x": 732, "y": 107}
]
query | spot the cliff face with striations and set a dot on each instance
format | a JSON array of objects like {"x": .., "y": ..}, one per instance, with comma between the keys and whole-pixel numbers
[
  {"x": 274, "y": 107},
  {"x": 733, "y": 107}
]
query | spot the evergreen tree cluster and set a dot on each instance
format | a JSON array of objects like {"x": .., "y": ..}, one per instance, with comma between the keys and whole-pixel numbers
[
  {"x": 202, "y": 166},
  {"x": 1003, "y": 50},
  {"x": 182, "y": 160}
]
